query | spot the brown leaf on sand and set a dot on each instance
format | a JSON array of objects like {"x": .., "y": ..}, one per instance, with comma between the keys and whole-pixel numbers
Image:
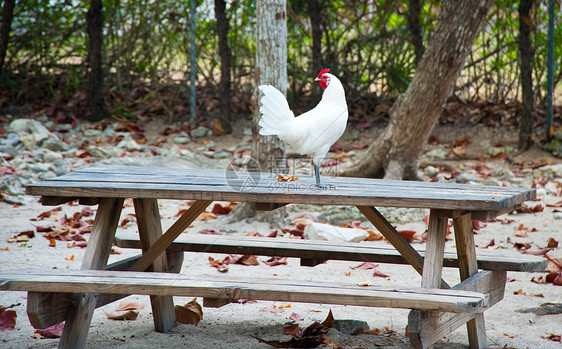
[
  {"x": 219, "y": 209},
  {"x": 329, "y": 321},
  {"x": 273, "y": 261},
  {"x": 552, "y": 243},
  {"x": 7, "y": 319},
  {"x": 293, "y": 330},
  {"x": 307, "y": 342},
  {"x": 129, "y": 305},
  {"x": 407, "y": 234},
  {"x": 525, "y": 293},
  {"x": 190, "y": 313},
  {"x": 366, "y": 265},
  {"x": 130, "y": 315},
  {"x": 54, "y": 331}
]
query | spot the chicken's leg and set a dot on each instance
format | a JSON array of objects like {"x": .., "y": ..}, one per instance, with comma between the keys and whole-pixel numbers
[{"x": 318, "y": 182}]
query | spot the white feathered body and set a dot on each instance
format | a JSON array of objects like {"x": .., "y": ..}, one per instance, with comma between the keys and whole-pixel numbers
[{"x": 311, "y": 133}]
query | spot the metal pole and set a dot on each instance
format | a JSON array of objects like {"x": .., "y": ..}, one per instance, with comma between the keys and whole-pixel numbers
[
  {"x": 550, "y": 67},
  {"x": 192, "y": 63}
]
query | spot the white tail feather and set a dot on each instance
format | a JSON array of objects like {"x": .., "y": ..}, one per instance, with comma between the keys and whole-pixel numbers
[{"x": 276, "y": 114}]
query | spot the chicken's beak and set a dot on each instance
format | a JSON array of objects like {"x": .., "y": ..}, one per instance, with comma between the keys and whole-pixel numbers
[{"x": 317, "y": 79}]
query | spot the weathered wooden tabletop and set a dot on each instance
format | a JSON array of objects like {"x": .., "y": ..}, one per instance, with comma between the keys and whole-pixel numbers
[{"x": 216, "y": 185}]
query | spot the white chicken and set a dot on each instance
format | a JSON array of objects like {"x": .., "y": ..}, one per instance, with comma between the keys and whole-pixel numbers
[{"x": 313, "y": 132}]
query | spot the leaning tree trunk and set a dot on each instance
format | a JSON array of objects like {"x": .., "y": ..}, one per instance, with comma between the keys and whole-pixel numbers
[
  {"x": 224, "y": 53},
  {"x": 526, "y": 56},
  {"x": 271, "y": 69},
  {"x": 7, "y": 17},
  {"x": 414, "y": 18},
  {"x": 95, "y": 27},
  {"x": 396, "y": 153}
]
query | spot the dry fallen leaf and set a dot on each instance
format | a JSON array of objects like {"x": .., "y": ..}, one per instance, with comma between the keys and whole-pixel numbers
[
  {"x": 365, "y": 283},
  {"x": 130, "y": 315},
  {"x": 129, "y": 305},
  {"x": 190, "y": 313},
  {"x": 7, "y": 319},
  {"x": 284, "y": 178},
  {"x": 70, "y": 257},
  {"x": 525, "y": 293}
]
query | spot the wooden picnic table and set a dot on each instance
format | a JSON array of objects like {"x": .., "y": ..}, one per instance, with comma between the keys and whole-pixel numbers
[{"x": 437, "y": 308}]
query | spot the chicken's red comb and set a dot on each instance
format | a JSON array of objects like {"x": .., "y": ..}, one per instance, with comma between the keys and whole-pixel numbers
[{"x": 323, "y": 71}]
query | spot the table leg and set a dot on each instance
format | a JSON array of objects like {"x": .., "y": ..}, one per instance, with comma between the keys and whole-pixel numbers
[
  {"x": 150, "y": 229},
  {"x": 468, "y": 266},
  {"x": 431, "y": 277},
  {"x": 82, "y": 305}
]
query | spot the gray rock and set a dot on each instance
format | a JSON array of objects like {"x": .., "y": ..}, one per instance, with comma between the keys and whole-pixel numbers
[
  {"x": 39, "y": 167},
  {"x": 557, "y": 215},
  {"x": 30, "y": 131},
  {"x": 182, "y": 140},
  {"x": 51, "y": 156},
  {"x": 320, "y": 231},
  {"x": 47, "y": 175},
  {"x": 15, "y": 190},
  {"x": 431, "y": 171},
  {"x": 15, "y": 200},
  {"x": 55, "y": 145},
  {"x": 351, "y": 326},
  {"x": 11, "y": 139},
  {"x": 437, "y": 153},
  {"x": 9, "y": 149},
  {"x": 129, "y": 143},
  {"x": 92, "y": 133},
  {"x": 222, "y": 154},
  {"x": 200, "y": 131},
  {"x": 340, "y": 214},
  {"x": 465, "y": 178}
]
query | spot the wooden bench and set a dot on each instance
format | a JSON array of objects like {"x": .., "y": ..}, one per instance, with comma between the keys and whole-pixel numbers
[
  {"x": 438, "y": 308},
  {"x": 312, "y": 253}
]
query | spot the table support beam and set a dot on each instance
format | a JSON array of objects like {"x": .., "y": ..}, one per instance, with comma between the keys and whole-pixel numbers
[
  {"x": 82, "y": 305},
  {"x": 387, "y": 230},
  {"x": 170, "y": 235},
  {"x": 150, "y": 229},
  {"x": 468, "y": 266}
]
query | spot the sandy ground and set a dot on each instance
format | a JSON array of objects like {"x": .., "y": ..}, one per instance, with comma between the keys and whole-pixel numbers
[{"x": 235, "y": 325}]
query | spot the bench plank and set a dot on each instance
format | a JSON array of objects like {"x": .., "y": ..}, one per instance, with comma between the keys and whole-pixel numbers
[
  {"x": 165, "y": 284},
  {"x": 325, "y": 250}
]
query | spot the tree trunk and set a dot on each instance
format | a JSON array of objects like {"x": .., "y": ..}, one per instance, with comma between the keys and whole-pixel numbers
[
  {"x": 414, "y": 18},
  {"x": 315, "y": 15},
  {"x": 95, "y": 27},
  {"x": 271, "y": 68},
  {"x": 526, "y": 55},
  {"x": 224, "y": 53},
  {"x": 396, "y": 153},
  {"x": 7, "y": 17}
]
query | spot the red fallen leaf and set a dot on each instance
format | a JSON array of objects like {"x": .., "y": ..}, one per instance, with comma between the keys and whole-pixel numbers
[
  {"x": 248, "y": 260},
  {"x": 128, "y": 219},
  {"x": 558, "y": 204},
  {"x": 366, "y": 265},
  {"x": 315, "y": 329},
  {"x": 54, "y": 331},
  {"x": 553, "y": 337},
  {"x": 273, "y": 261},
  {"x": 552, "y": 243},
  {"x": 87, "y": 212},
  {"x": 29, "y": 233},
  {"x": 522, "y": 245},
  {"x": 306, "y": 342},
  {"x": 539, "y": 280},
  {"x": 336, "y": 148},
  {"x": 525, "y": 293},
  {"x": 295, "y": 317},
  {"x": 273, "y": 234},
  {"x": 81, "y": 244},
  {"x": 273, "y": 309},
  {"x": 492, "y": 243},
  {"x": 554, "y": 278},
  {"x": 293, "y": 330},
  {"x": 407, "y": 234},
  {"x": 218, "y": 209},
  {"x": 130, "y": 315},
  {"x": 211, "y": 232},
  {"x": 7, "y": 319},
  {"x": 556, "y": 261},
  {"x": 540, "y": 252},
  {"x": 477, "y": 225},
  {"x": 82, "y": 153},
  {"x": 45, "y": 229},
  {"x": 379, "y": 273},
  {"x": 359, "y": 145},
  {"x": 253, "y": 233}
]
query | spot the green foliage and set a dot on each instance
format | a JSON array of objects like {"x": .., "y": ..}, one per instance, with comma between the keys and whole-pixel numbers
[{"x": 367, "y": 43}]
